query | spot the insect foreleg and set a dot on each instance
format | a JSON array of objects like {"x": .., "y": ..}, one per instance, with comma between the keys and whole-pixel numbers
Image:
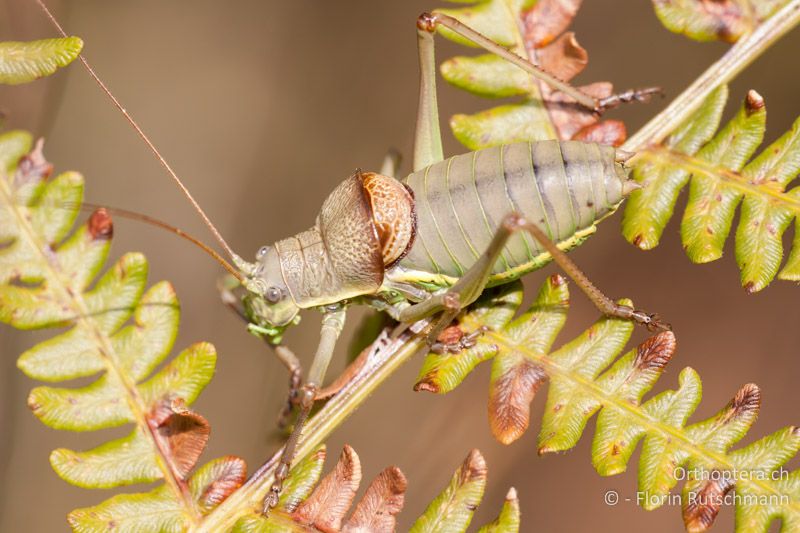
[
  {"x": 427, "y": 22},
  {"x": 292, "y": 364},
  {"x": 332, "y": 324},
  {"x": 283, "y": 353},
  {"x": 467, "y": 289}
]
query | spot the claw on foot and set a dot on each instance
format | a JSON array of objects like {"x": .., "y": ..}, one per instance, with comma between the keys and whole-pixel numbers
[
  {"x": 427, "y": 22},
  {"x": 270, "y": 501},
  {"x": 453, "y": 340},
  {"x": 273, "y": 496},
  {"x": 633, "y": 95},
  {"x": 655, "y": 324},
  {"x": 651, "y": 321}
]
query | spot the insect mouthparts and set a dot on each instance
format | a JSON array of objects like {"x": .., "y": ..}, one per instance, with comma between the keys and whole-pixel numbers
[
  {"x": 629, "y": 186},
  {"x": 622, "y": 156}
]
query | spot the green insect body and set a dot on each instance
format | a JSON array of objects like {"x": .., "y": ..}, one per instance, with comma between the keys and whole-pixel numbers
[
  {"x": 426, "y": 246},
  {"x": 378, "y": 236},
  {"x": 564, "y": 187}
]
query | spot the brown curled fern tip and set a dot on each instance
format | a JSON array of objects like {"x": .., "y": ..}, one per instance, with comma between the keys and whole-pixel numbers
[
  {"x": 588, "y": 376},
  {"x": 304, "y": 508}
]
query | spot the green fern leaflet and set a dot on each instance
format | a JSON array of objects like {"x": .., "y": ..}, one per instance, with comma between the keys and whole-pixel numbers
[
  {"x": 587, "y": 375},
  {"x": 22, "y": 62},
  {"x": 723, "y": 174},
  {"x": 116, "y": 330}
]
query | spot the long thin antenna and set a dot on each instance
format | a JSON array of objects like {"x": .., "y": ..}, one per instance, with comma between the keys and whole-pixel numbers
[
  {"x": 139, "y": 217},
  {"x": 146, "y": 140}
]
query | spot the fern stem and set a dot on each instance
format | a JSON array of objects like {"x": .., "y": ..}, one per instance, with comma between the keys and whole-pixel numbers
[
  {"x": 736, "y": 59},
  {"x": 768, "y": 190},
  {"x": 74, "y": 299},
  {"x": 385, "y": 356}
]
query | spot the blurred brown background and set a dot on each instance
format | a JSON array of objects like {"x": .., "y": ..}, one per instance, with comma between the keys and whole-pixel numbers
[{"x": 262, "y": 107}]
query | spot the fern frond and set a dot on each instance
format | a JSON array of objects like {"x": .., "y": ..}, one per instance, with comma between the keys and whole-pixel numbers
[
  {"x": 587, "y": 376},
  {"x": 304, "y": 508},
  {"x": 709, "y": 20},
  {"x": 21, "y": 62},
  {"x": 49, "y": 279},
  {"x": 452, "y": 509},
  {"x": 536, "y": 31},
  {"x": 722, "y": 176}
]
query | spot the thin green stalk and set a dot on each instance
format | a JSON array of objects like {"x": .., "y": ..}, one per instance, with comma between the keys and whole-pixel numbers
[
  {"x": 386, "y": 355},
  {"x": 736, "y": 59}
]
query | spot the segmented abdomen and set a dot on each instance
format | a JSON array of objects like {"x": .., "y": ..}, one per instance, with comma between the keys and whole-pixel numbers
[{"x": 564, "y": 187}]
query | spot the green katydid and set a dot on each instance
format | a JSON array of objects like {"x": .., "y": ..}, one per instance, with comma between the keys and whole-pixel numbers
[{"x": 426, "y": 246}]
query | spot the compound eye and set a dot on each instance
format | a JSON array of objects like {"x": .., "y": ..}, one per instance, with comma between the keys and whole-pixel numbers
[
  {"x": 262, "y": 252},
  {"x": 273, "y": 295}
]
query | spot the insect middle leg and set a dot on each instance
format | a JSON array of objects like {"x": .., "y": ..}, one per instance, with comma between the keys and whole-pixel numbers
[
  {"x": 428, "y": 148},
  {"x": 470, "y": 286}
]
